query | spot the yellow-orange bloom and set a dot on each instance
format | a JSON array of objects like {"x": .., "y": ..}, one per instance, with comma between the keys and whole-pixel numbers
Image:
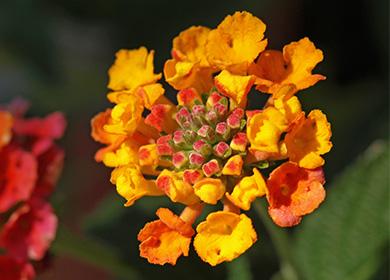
[
  {"x": 234, "y": 86},
  {"x": 308, "y": 139},
  {"x": 125, "y": 116},
  {"x": 6, "y": 121},
  {"x": 223, "y": 237},
  {"x": 233, "y": 166},
  {"x": 173, "y": 185},
  {"x": 275, "y": 69},
  {"x": 246, "y": 191},
  {"x": 236, "y": 42},
  {"x": 209, "y": 190},
  {"x": 165, "y": 240},
  {"x": 131, "y": 184},
  {"x": 189, "y": 66},
  {"x": 264, "y": 130},
  {"x": 132, "y": 69},
  {"x": 125, "y": 154},
  {"x": 294, "y": 192}
]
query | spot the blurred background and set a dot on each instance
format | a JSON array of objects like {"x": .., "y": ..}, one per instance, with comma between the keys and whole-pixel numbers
[{"x": 56, "y": 54}]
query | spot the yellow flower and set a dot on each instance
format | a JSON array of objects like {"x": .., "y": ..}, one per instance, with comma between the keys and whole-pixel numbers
[
  {"x": 209, "y": 190},
  {"x": 234, "y": 86},
  {"x": 275, "y": 69},
  {"x": 233, "y": 166},
  {"x": 124, "y": 155},
  {"x": 148, "y": 155},
  {"x": 236, "y": 42},
  {"x": 246, "y": 191},
  {"x": 172, "y": 184},
  {"x": 125, "y": 116},
  {"x": 309, "y": 139},
  {"x": 132, "y": 69},
  {"x": 223, "y": 237},
  {"x": 264, "y": 130},
  {"x": 131, "y": 184},
  {"x": 290, "y": 108},
  {"x": 189, "y": 66}
]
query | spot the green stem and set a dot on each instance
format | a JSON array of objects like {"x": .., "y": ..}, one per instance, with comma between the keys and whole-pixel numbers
[
  {"x": 281, "y": 242},
  {"x": 93, "y": 252}
]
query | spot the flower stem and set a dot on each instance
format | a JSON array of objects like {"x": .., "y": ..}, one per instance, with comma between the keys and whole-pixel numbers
[{"x": 281, "y": 242}]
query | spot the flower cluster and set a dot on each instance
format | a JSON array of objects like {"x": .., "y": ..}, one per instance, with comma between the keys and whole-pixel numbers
[
  {"x": 30, "y": 163},
  {"x": 208, "y": 148}
]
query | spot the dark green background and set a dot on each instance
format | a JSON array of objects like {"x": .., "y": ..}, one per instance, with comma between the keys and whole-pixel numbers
[{"x": 56, "y": 54}]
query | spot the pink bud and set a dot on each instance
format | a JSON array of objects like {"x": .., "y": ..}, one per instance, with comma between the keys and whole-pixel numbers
[
  {"x": 222, "y": 150},
  {"x": 239, "y": 142},
  {"x": 210, "y": 168},
  {"x": 196, "y": 159},
  {"x": 179, "y": 159}
]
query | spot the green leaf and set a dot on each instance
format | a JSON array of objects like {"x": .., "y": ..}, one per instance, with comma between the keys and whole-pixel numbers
[
  {"x": 94, "y": 252},
  {"x": 239, "y": 269},
  {"x": 344, "y": 239}
]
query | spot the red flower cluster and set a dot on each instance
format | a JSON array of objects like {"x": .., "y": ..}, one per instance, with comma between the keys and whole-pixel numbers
[{"x": 30, "y": 164}]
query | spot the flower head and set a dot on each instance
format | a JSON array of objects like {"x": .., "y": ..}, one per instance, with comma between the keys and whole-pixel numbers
[
  {"x": 208, "y": 149},
  {"x": 30, "y": 164}
]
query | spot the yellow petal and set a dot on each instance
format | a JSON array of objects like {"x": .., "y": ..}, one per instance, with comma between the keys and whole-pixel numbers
[
  {"x": 223, "y": 237},
  {"x": 234, "y": 86},
  {"x": 190, "y": 45},
  {"x": 131, "y": 69},
  {"x": 246, "y": 191},
  {"x": 209, "y": 190},
  {"x": 126, "y": 154},
  {"x": 309, "y": 139},
  {"x": 233, "y": 166},
  {"x": 236, "y": 42},
  {"x": 264, "y": 130},
  {"x": 175, "y": 188},
  {"x": 131, "y": 184}
]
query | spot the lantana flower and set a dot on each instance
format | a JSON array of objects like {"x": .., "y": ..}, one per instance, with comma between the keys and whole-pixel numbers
[
  {"x": 30, "y": 164},
  {"x": 208, "y": 148}
]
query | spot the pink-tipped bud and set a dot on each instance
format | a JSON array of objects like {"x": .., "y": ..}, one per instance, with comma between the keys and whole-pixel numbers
[
  {"x": 206, "y": 132},
  {"x": 198, "y": 111},
  {"x": 163, "y": 145},
  {"x": 183, "y": 118},
  {"x": 210, "y": 168},
  {"x": 196, "y": 159},
  {"x": 220, "y": 109},
  {"x": 178, "y": 137},
  {"x": 222, "y": 150},
  {"x": 238, "y": 112},
  {"x": 187, "y": 97},
  {"x": 213, "y": 99},
  {"x": 222, "y": 130},
  {"x": 211, "y": 117},
  {"x": 158, "y": 115},
  {"x": 233, "y": 121},
  {"x": 190, "y": 136},
  {"x": 192, "y": 176},
  {"x": 239, "y": 142},
  {"x": 201, "y": 146},
  {"x": 179, "y": 159}
]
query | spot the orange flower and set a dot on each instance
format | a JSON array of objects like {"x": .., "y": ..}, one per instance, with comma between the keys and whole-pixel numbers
[
  {"x": 274, "y": 69},
  {"x": 132, "y": 69},
  {"x": 236, "y": 42},
  {"x": 309, "y": 139},
  {"x": 189, "y": 66},
  {"x": 201, "y": 150},
  {"x": 294, "y": 192},
  {"x": 6, "y": 121},
  {"x": 165, "y": 240}
]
